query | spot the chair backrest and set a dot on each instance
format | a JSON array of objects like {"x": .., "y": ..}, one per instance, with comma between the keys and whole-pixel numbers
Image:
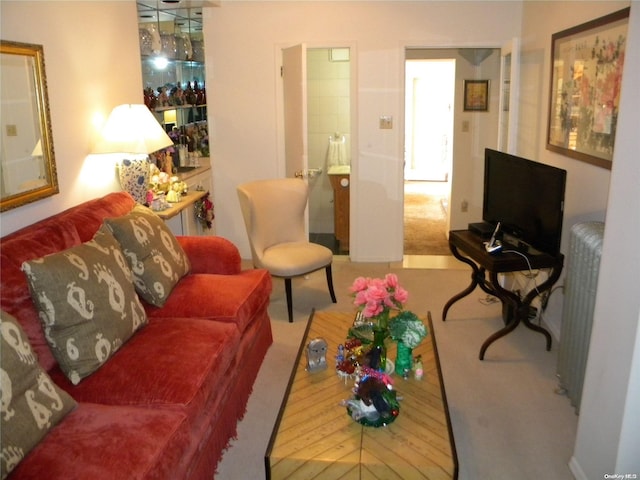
[{"x": 273, "y": 212}]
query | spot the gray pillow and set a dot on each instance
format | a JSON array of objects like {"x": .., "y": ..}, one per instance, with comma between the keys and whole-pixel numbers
[
  {"x": 86, "y": 302},
  {"x": 156, "y": 258},
  {"x": 31, "y": 403}
]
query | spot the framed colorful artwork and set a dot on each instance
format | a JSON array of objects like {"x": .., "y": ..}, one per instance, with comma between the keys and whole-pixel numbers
[{"x": 586, "y": 74}]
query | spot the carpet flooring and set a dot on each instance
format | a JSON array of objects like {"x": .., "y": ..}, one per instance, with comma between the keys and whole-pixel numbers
[
  {"x": 508, "y": 423},
  {"x": 425, "y": 225}
]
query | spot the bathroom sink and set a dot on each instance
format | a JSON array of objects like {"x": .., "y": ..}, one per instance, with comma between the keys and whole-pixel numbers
[{"x": 339, "y": 170}]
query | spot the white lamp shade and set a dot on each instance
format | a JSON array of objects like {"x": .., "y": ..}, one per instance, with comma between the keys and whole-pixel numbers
[
  {"x": 37, "y": 150},
  {"x": 132, "y": 129}
]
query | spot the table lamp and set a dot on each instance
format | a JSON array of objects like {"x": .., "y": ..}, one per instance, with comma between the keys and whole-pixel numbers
[{"x": 133, "y": 131}]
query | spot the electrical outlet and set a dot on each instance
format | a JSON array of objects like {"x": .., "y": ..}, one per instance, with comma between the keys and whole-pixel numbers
[
  {"x": 465, "y": 125},
  {"x": 386, "y": 122}
]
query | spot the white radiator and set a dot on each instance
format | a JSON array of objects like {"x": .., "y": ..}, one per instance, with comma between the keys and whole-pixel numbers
[{"x": 580, "y": 285}]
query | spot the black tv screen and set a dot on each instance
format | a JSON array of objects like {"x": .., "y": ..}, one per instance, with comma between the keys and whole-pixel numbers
[{"x": 527, "y": 198}]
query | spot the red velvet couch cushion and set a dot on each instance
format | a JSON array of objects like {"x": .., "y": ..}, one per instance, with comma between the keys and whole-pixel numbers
[
  {"x": 226, "y": 298},
  {"x": 173, "y": 361},
  {"x": 88, "y": 216},
  {"x": 111, "y": 443}
]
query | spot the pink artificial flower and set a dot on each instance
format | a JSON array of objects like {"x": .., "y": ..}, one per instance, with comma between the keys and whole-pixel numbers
[
  {"x": 375, "y": 296},
  {"x": 401, "y": 295},
  {"x": 391, "y": 279},
  {"x": 372, "y": 309},
  {"x": 360, "y": 298},
  {"x": 376, "y": 293},
  {"x": 360, "y": 284}
]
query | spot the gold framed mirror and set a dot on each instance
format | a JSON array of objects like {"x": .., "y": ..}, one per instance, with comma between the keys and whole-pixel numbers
[{"x": 27, "y": 162}]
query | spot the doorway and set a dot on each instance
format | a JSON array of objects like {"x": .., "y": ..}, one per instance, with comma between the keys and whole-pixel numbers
[
  {"x": 329, "y": 145},
  {"x": 428, "y": 155},
  {"x": 317, "y": 118}
]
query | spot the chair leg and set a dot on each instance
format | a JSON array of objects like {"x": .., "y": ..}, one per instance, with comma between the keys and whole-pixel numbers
[
  {"x": 287, "y": 288},
  {"x": 330, "y": 283}
]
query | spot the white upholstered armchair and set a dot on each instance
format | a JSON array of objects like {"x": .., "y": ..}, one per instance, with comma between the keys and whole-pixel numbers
[{"x": 273, "y": 212}]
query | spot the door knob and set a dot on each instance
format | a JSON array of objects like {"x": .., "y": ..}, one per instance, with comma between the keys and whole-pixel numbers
[{"x": 310, "y": 173}]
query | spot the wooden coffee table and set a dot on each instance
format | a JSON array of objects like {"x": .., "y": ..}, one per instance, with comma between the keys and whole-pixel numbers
[{"x": 315, "y": 438}]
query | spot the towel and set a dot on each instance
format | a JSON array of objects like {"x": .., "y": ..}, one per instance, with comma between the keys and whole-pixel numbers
[{"x": 337, "y": 152}]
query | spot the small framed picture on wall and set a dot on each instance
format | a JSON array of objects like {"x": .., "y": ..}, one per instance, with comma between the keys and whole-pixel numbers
[{"x": 476, "y": 95}]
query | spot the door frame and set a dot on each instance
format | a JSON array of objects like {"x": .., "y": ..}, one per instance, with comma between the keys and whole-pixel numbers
[
  {"x": 460, "y": 187},
  {"x": 510, "y": 105},
  {"x": 353, "y": 97}
]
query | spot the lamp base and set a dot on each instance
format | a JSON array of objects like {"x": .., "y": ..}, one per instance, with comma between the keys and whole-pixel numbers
[{"x": 134, "y": 178}]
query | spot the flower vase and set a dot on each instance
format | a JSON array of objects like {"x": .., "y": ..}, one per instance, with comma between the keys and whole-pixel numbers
[
  {"x": 404, "y": 359},
  {"x": 379, "y": 350}
]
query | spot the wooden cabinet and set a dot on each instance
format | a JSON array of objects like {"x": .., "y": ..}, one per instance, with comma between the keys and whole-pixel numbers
[
  {"x": 178, "y": 216},
  {"x": 200, "y": 182},
  {"x": 181, "y": 217},
  {"x": 341, "y": 208}
]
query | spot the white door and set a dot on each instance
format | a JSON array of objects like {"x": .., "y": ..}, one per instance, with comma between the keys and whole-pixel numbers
[
  {"x": 509, "y": 81},
  {"x": 294, "y": 84}
]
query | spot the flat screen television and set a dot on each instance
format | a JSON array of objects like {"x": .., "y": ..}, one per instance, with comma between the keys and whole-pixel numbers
[{"x": 527, "y": 198}]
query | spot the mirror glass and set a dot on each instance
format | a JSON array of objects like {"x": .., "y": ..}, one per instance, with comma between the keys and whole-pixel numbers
[{"x": 27, "y": 163}]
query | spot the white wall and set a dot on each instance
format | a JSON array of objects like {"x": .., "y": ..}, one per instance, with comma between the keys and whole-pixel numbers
[
  {"x": 242, "y": 78},
  {"x": 608, "y": 438},
  {"x": 92, "y": 63},
  {"x": 609, "y": 424}
]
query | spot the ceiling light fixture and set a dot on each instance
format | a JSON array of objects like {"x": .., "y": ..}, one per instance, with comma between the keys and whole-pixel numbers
[{"x": 160, "y": 62}]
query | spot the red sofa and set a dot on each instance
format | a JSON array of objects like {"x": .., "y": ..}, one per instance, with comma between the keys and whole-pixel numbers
[{"x": 167, "y": 403}]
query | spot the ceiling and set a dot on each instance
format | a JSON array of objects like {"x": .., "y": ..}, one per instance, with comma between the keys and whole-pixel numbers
[{"x": 186, "y": 15}]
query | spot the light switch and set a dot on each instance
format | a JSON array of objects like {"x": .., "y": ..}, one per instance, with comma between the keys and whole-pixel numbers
[
  {"x": 465, "y": 125},
  {"x": 12, "y": 131},
  {"x": 386, "y": 122}
]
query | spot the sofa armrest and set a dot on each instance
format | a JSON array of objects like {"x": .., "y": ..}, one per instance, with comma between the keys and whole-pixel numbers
[{"x": 211, "y": 254}]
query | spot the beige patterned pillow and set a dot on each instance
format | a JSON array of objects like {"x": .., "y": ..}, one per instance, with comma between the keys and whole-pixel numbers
[
  {"x": 86, "y": 302},
  {"x": 31, "y": 404},
  {"x": 156, "y": 258}
]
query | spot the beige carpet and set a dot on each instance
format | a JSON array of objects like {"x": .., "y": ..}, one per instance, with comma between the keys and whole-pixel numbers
[
  {"x": 424, "y": 225},
  {"x": 507, "y": 421}
]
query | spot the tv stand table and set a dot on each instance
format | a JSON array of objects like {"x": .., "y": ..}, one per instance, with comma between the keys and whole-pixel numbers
[{"x": 506, "y": 261}]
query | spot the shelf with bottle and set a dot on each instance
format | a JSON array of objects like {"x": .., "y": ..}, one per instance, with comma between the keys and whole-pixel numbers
[
  {"x": 175, "y": 105},
  {"x": 190, "y": 144}
]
